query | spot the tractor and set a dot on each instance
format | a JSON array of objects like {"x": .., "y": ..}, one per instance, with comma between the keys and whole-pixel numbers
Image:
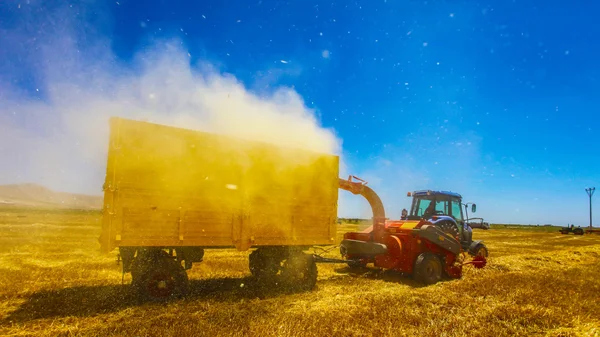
[
  {"x": 571, "y": 229},
  {"x": 444, "y": 209},
  {"x": 478, "y": 223},
  {"x": 430, "y": 242}
]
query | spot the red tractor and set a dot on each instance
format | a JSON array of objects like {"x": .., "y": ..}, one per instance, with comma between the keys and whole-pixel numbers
[{"x": 429, "y": 243}]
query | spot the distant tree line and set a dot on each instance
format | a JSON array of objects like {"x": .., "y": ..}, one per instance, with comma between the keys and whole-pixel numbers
[{"x": 351, "y": 220}]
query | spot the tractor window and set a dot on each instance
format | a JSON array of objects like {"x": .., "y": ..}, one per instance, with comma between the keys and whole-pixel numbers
[
  {"x": 421, "y": 206},
  {"x": 457, "y": 211},
  {"x": 440, "y": 208}
]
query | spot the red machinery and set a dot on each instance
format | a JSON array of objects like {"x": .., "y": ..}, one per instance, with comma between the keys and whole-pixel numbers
[{"x": 417, "y": 247}]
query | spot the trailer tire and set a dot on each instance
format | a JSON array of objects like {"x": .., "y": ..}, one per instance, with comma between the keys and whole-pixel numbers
[
  {"x": 264, "y": 264},
  {"x": 428, "y": 268},
  {"x": 299, "y": 272},
  {"x": 163, "y": 280}
]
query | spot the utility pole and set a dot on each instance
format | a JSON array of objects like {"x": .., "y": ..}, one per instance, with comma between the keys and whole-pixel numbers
[{"x": 590, "y": 191}]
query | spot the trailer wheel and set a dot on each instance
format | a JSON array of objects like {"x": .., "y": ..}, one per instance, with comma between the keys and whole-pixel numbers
[
  {"x": 428, "y": 268},
  {"x": 162, "y": 280},
  {"x": 264, "y": 264},
  {"x": 299, "y": 271}
]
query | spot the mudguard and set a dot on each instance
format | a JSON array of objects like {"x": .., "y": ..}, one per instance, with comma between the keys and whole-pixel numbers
[
  {"x": 439, "y": 238},
  {"x": 362, "y": 248}
]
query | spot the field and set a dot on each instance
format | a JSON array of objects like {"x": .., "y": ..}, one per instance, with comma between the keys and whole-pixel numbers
[{"x": 54, "y": 282}]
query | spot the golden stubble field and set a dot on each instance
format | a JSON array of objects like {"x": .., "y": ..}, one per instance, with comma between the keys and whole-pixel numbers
[{"x": 54, "y": 282}]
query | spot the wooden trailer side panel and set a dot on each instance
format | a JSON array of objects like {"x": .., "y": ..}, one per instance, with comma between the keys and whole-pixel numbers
[{"x": 168, "y": 186}]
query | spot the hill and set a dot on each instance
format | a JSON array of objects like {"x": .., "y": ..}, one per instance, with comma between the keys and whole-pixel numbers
[{"x": 32, "y": 195}]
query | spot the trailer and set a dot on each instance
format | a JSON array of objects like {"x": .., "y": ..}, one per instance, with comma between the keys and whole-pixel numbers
[{"x": 172, "y": 193}]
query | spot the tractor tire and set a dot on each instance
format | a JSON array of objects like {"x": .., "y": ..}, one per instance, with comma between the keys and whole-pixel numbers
[
  {"x": 299, "y": 272},
  {"x": 356, "y": 265},
  {"x": 480, "y": 250},
  {"x": 428, "y": 268},
  {"x": 450, "y": 229},
  {"x": 265, "y": 264},
  {"x": 578, "y": 231},
  {"x": 161, "y": 280}
]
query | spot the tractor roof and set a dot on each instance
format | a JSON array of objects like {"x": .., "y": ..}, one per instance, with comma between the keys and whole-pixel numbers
[{"x": 429, "y": 192}]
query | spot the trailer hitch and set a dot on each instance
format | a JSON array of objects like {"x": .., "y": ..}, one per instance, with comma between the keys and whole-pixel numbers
[{"x": 320, "y": 259}]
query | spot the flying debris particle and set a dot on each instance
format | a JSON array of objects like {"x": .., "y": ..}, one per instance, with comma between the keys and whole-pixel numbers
[
  {"x": 284, "y": 61},
  {"x": 451, "y": 15},
  {"x": 241, "y": 285},
  {"x": 320, "y": 33},
  {"x": 36, "y": 89},
  {"x": 425, "y": 44},
  {"x": 238, "y": 21},
  {"x": 477, "y": 123},
  {"x": 118, "y": 3},
  {"x": 567, "y": 52},
  {"x": 19, "y": 6},
  {"x": 437, "y": 63},
  {"x": 405, "y": 83},
  {"x": 204, "y": 17},
  {"x": 376, "y": 41},
  {"x": 325, "y": 54},
  {"x": 181, "y": 29},
  {"x": 512, "y": 175},
  {"x": 231, "y": 187},
  {"x": 151, "y": 96},
  {"x": 189, "y": 55},
  {"x": 142, "y": 24},
  {"x": 409, "y": 32}
]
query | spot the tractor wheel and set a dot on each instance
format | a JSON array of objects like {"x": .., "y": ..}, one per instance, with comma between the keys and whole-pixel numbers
[
  {"x": 578, "y": 231},
  {"x": 265, "y": 264},
  {"x": 161, "y": 280},
  {"x": 480, "y": 250},
  {"x": 428, "y": 268},
  {"x": 450, "y": 229},
  {"x": 299, "y": 271},
  {"x": 356, "y": 265}
]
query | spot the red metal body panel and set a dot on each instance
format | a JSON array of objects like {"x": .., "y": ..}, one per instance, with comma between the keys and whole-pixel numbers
[{"x": 403, "y": 247}]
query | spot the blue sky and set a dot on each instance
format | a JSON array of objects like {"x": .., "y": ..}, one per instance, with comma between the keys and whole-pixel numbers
[{"x": 494, "y": 101}]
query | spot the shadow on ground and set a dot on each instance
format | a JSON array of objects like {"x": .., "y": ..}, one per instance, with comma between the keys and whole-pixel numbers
[
  {"x": 93, "y": 300},
  {"x": 391, "y": 276}
]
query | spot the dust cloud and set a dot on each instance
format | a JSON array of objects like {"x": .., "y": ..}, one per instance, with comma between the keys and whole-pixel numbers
[{"x": 58, "y": 136}]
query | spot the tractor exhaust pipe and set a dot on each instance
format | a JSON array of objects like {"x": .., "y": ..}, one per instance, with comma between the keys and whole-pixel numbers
[{"x": 360, "y": 187}]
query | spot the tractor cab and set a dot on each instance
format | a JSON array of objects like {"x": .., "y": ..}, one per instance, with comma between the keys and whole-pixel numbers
[{"x": 443, "y": 209}]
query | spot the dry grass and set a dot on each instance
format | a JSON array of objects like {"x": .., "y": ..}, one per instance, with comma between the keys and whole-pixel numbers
[{"x": 53, "y": 282}]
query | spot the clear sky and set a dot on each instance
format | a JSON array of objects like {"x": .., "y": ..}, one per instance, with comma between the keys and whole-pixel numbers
[{"x": 496, "y": 100}]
